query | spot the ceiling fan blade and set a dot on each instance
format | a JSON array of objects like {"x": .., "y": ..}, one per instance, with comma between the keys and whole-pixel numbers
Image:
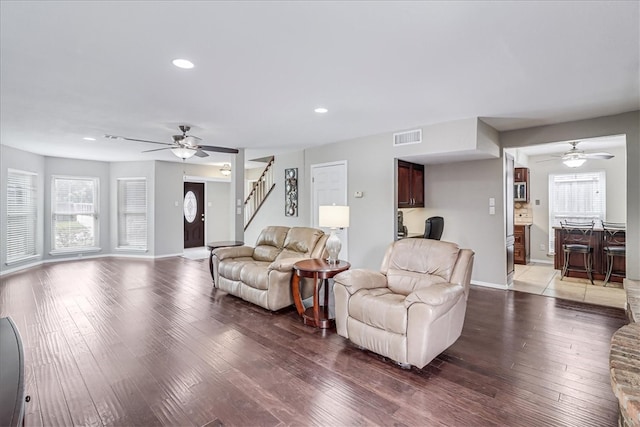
[
  {"x": 219, "y": 149},
  {"x": 604, "y": 156},
  {"x": 144, "y": 140},
  {"x": 201, "y": 153},
  {"x": 157, "y": 149}
]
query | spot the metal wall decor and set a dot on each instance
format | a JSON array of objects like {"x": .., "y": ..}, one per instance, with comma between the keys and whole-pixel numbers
[{"x": 291, "y": 192}]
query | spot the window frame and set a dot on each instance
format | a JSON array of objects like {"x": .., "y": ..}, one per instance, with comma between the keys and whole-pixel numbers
[
  {"x": 96, "y": 216},
  {"x": 120, "y": 214},
  {"x": 576, "y": 216},
  {"x": 33, "y": 207}
]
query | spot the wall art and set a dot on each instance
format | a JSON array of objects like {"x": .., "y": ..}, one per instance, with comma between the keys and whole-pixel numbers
[{"x": 291, "y": 192}]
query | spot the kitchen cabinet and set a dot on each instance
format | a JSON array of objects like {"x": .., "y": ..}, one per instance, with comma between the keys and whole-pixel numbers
[
  {"x": 410, "y": 185},
  {"x": 521, "y": 185},
  {"x": 522, "y": 244}
]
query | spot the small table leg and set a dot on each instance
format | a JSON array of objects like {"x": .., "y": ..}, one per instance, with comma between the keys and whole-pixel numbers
[{"x": 211, "y": 266}]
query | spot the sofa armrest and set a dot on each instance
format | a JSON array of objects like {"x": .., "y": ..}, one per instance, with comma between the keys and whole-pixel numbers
[
  {"x": 436, "y": 295},
  {"x": 356, "y": 279},
  {"x": 233, "y": 252},
  {"x": 285, "y": 264}
]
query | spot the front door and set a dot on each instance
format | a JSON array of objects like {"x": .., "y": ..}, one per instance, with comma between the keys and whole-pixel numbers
[
  {"x": 328, "y": 187},
  {"x": 193, "y": 212}
]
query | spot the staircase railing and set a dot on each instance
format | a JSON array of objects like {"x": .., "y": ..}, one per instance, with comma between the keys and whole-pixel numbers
[{"x": 258, "y": 194}]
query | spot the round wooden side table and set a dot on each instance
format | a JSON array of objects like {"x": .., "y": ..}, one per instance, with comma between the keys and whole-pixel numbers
[{"x": 317, "y": 315}]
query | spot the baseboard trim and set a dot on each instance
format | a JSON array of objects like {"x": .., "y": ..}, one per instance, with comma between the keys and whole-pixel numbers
[
  {"x": 490, "y": 285},
  {"x": 80, "y": 258},
  {"x": 541, "y": 261}
]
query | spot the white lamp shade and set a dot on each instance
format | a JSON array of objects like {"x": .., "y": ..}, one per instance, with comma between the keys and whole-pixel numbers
[
  {"x": 183, "y": 152},
  {"x": 333, "y": 216}
]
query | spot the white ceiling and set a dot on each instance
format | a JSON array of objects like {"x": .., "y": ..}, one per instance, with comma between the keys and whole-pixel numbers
[{"x": 84, "y": 69}]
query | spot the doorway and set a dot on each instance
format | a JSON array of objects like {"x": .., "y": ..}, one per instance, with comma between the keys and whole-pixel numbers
[
  {"x": 328, "y": 187},
  {"x": 193, "y": 214}
]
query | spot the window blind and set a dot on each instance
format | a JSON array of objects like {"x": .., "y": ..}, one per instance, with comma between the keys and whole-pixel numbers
[
  {"x": 132, "y": 213},
  {"x": 576, "y": 197},
  {"x": 75, "y": 213},
  {"x": 22, "y": 215}
]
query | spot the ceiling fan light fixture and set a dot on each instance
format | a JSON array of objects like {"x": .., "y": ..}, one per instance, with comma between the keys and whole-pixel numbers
[
  {"x": 225, "y": 169},
  {"x": 183, "y": 152},
  {"x": 574, "y": 162}
]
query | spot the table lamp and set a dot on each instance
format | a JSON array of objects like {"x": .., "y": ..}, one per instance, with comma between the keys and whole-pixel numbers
[{"x": 333, "y": 217}]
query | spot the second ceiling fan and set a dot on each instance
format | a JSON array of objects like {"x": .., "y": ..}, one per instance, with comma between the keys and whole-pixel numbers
[
  {"x": 575, "y": 158},
  {"x": 183, "y": 146}
]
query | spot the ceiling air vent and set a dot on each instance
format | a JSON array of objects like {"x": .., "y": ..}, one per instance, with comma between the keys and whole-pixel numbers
[{"x": 408, "y": 137}]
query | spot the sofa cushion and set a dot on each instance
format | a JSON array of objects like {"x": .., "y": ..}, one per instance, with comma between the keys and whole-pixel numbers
[
  {"x": 302, "y": 240},
  {"x": 231, "y": 268},
  {"x": 270, "y": 243},
  {"x": 379, "y": 308},
  {"x": 407, "y": 272},
  {"x": 256, "y": 275}
]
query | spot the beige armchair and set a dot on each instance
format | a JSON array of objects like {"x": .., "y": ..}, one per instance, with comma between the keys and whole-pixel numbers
[{"x": 414, "y": 308}]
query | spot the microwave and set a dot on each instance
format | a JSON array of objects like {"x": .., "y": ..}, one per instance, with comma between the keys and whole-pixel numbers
[{"x": 520, "y": 191}]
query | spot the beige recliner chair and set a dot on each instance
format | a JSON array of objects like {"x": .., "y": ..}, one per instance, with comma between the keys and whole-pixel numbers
[{"x": 414, "y": 308}]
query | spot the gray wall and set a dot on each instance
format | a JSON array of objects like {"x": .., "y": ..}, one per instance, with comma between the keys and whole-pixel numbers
[
  {"x": 621, "y": 124},
  {"x": 370, "y": 169},
  {"x": 169, "y": 226},
  {"x": 460, "y": 193},
  {"x": 28, "y": 162},
  {"x": 272, "y": 211},
  {"x": 616, "y": 191}
]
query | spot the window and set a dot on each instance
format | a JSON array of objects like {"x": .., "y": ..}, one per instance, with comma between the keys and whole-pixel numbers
[
  {"x": 75, "y": 213},
  {"x": 576, "y": 197},
  {"x": 132, "y": 213},
  {"x": 22, "y": 215}
]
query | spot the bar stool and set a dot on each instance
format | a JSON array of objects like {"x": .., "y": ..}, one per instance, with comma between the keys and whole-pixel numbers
[
  {"x": 576, "y": 238},
  {"x": 614, "y": 246}
]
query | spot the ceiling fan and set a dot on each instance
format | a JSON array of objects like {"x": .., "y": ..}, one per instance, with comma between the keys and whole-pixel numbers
[
  {"x": 575, "y": 158},
  {"x": 184, "y": 146}
]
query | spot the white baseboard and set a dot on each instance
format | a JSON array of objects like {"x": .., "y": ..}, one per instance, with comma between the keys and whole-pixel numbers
[
  {"x": 80, "y": 258},
  {"x": 541, "y": 261},
  {"x": 489, "y": 285}
]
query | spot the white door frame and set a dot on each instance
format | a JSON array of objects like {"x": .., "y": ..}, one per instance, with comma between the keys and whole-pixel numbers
[{"x": 314, "y": 208}]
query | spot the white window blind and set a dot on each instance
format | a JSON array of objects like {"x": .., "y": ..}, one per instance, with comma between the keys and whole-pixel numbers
[
  {"x": 22, "y": 215},
  {"x": 576, "y": 197},
  {"x": 132, "y": 213},
  {"x": 75, "y": 213}
]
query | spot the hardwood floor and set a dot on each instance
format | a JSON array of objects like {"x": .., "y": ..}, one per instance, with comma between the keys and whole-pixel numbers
[{"x": 137, "y": 342}]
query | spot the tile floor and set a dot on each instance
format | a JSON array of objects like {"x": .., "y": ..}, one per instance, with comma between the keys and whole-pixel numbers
[{"x": 542, "y": 279}]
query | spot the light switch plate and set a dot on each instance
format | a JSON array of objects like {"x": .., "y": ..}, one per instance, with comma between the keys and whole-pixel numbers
[
  {"x": 492, "y": 210},
  {"x": 492, "y": 201}
]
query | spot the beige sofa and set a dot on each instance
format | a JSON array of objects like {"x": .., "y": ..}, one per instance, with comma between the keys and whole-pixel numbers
[
  {"x": 262, "y": 274},
  {"x": 414, "y": 308}
]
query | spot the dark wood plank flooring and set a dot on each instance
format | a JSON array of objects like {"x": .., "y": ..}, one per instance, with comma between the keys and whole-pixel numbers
[{"x": 124, "y": 342}]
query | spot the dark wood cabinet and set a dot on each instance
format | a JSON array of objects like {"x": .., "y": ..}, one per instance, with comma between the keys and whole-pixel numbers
[
  {"x": 410, "y": 185},
  {"x": 521, "y": 184},
  {"x": 522, "y": 244}
]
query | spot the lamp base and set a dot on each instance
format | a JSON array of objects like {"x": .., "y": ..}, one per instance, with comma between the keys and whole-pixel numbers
[{"x": 333, "y": 246}]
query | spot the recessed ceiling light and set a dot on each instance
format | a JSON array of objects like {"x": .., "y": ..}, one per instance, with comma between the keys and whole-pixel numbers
[
  {"x": 183, "y": 63},
  {"x": 88, "y": 138},
  {"x": 321, "y": 110}
]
